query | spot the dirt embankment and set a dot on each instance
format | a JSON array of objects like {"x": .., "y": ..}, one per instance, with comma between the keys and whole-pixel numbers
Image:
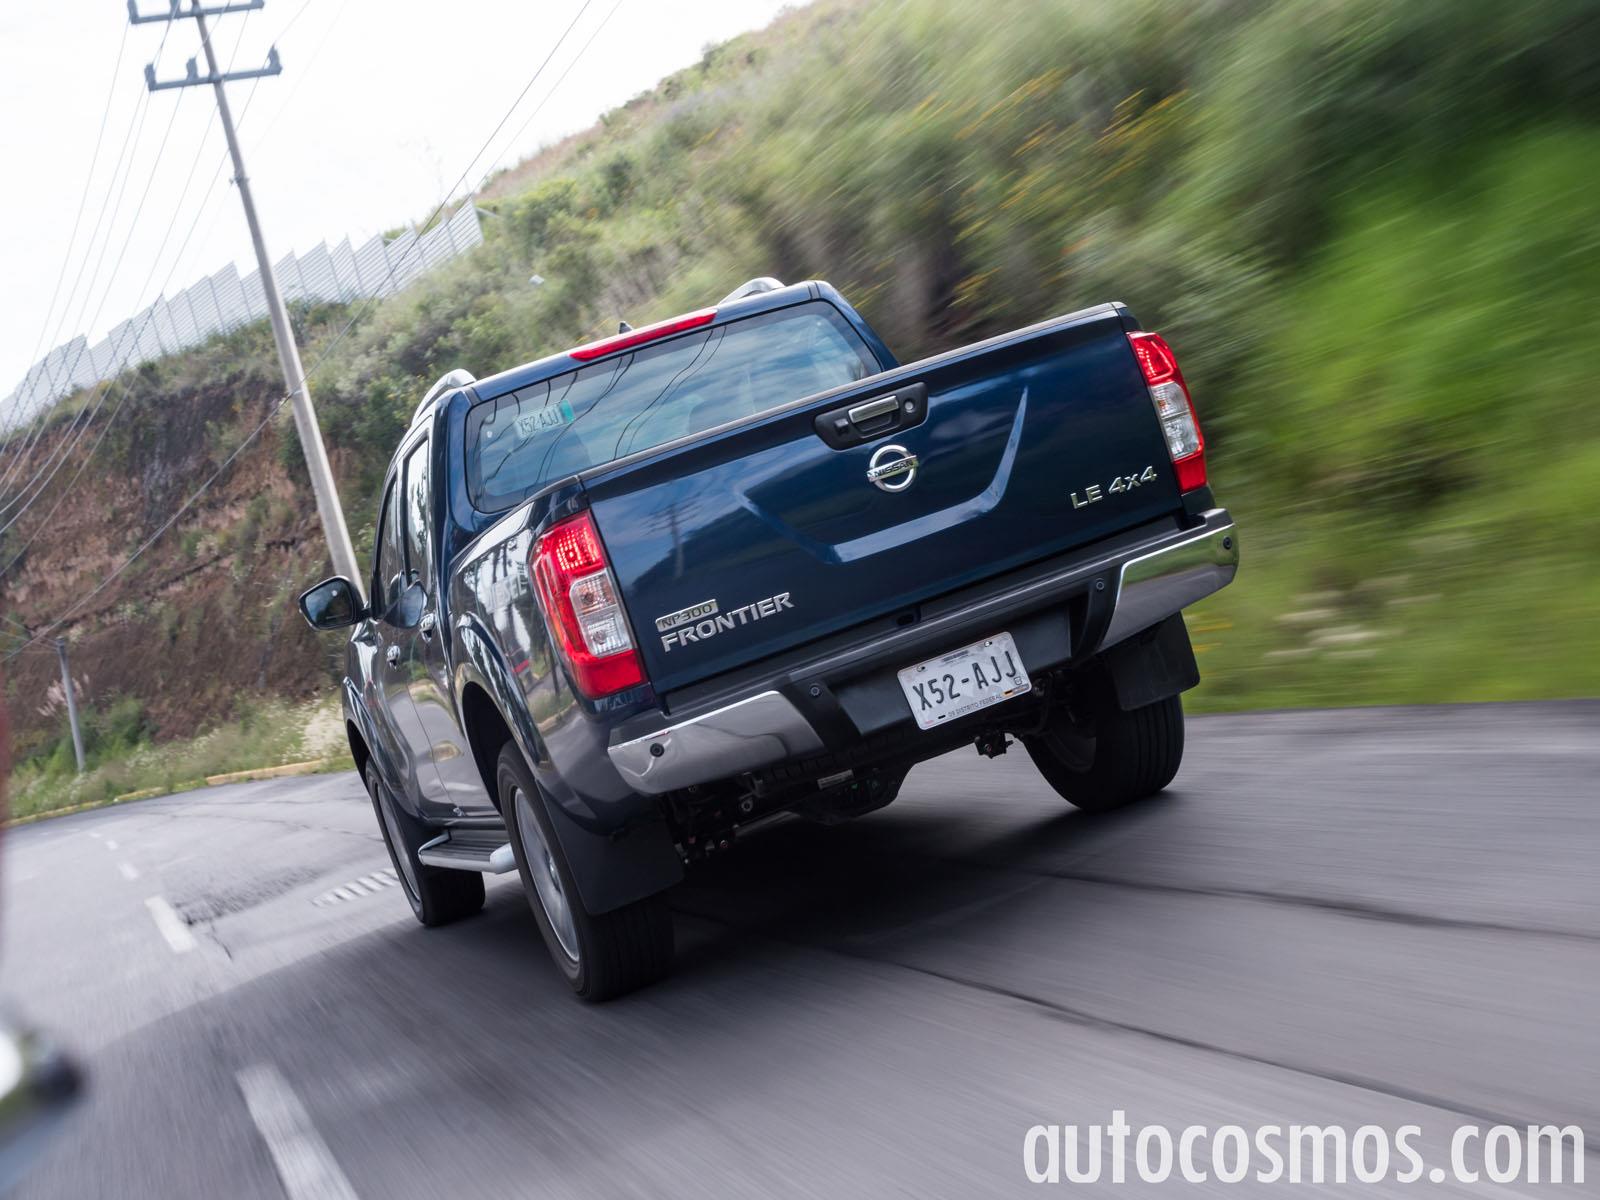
[{"x": 204, "y": 620}]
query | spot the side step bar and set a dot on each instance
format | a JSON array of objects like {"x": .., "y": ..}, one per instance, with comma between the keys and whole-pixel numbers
[{"x": 470, "y": 850}]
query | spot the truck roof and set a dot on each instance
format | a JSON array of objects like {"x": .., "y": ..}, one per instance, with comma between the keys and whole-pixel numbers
[{"x": 744, "y": 306}]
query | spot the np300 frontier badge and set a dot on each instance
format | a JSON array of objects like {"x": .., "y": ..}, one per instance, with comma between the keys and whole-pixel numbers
[
  {"x": 633, "y": 598},
  {"x": 708, "y": 626}
]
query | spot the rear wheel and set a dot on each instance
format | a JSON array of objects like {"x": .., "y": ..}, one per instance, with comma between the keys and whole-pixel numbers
[
  {"x": 437, "y": 896},
  {"x": 601, "y": 955},
  {"x": 1124, "y": 756}
]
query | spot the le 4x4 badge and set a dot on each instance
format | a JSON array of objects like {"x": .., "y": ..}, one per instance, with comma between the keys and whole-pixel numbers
[{"x": 1119, "y": 484}]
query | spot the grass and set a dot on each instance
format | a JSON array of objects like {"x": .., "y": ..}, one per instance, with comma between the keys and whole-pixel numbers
[
  {"x": 1416, "y": 489},
  {"x": 271, "y": 734},
  {"x": 1433, "y": 622}
]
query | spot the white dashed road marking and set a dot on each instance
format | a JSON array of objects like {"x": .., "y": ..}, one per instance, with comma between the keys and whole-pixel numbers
[
  {"x": 170, "y": 925},
  {"x": 304, "y": 1163},
  {"x": 129, "y": 871},
  {"x": 364, "y": 886}
]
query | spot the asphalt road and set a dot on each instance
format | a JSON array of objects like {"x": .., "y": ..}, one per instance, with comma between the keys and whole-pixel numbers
[{"x": 1358, "y": 917}]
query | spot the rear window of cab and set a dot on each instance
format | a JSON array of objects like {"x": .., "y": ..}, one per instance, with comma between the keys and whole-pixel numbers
[{"x": 657, "y": 393}]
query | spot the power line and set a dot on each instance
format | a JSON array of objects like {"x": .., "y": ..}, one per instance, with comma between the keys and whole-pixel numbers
[
  {"x": 368, "y": 304},
  {"x": 330, "y": 513},
  {"x": 133, "y": 344},
  {"x": 121, "y": 254},
  {"x": 73, "y": 436},
  {"x": 178, "y": 258},
  {"x": 250, "y": 96},
  {"x": 83, "y": 200},
  {"x": 136, "y": 126},
  {"x": 154, "y": 537},
  {"x": 514, "y": 104},
  {"x": 322, "y": 357},
  {"x": 122, "y": 398},
  {"x": 562, "y": 78},
  {"x": 100, "y": 260},
  {"x": 71, "y": 440},
  {"x": 305, "y": 70}
]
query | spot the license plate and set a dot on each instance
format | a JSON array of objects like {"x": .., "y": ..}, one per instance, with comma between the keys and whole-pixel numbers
[{"x": 965, "y": 680}]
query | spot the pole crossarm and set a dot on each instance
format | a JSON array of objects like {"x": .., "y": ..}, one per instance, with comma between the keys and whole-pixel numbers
[
  {"x": 194, "y": 78},
  {"x": 176, "y": 11}
]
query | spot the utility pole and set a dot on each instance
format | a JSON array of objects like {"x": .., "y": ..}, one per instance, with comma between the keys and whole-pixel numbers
[
  {"x": 72, "y": 702},
  {"x": 294, "y": 377}
]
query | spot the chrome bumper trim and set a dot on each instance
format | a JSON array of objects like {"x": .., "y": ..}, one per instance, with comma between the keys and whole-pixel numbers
[
  {"x": 1165, "y": 581},
  {"x": 752, "y": 733}
]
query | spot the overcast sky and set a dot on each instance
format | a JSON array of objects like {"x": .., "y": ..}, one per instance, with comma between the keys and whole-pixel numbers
[{"x": 379, "y": 109}]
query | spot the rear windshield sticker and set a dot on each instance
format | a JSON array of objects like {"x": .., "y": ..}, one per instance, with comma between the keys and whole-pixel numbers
[{"x": 551, "y": 416}]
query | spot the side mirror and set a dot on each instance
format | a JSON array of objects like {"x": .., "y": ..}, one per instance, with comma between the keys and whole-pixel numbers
[
  {"x": 332, "y": 604},
  {"x": 38, "y": 1086}
]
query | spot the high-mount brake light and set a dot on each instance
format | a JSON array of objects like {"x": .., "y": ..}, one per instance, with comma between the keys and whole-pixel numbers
[
  {"x": 645, "y": 333},
  {"x": 580, "y": 596},
  {"x": 1174, "y": 408}
]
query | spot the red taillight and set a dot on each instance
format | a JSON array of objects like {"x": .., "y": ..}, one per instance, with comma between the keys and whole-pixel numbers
[
  {"x": 1174, "y": 408},
  {"x": 645, "y": 333},
  {"x": 580, "y": 597}
]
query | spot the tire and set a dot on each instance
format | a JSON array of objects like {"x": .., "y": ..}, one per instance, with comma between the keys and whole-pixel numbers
[
  {"x": 437, "y": 896},
  {"x": 600, "y": 955},
  {"x": 1131, "y": 755}
]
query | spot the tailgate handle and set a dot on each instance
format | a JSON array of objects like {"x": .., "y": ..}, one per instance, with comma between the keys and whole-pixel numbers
[
  {"x": 861, "y": 421},
  {"x": 863, "y": 414}
]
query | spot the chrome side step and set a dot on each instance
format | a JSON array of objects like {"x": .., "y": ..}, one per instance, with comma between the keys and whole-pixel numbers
[{"x": 470, "y": 850}]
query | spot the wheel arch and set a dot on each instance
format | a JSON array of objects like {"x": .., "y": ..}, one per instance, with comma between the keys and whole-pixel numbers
[
  {"x": 358, "y": 732},
  {"x": 611, "y": 870},
  {"x": 359, "y": 750},
  {"x": 490, "y": 707},
  {"x": 487, "y": 732}
]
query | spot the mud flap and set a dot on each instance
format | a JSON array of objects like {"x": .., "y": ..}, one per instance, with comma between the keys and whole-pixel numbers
[
  {"x": 615, "y": 869},
  {"x": 1151, "y": 665}
]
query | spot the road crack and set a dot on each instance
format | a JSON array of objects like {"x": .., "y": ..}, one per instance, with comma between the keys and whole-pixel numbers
[{"x": 1091, "y": 1020}]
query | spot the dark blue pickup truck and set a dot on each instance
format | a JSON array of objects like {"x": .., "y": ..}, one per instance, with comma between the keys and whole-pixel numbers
[{"x": 635, "y": 599}]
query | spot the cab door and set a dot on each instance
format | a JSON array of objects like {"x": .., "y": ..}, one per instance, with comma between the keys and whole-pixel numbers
[
  {"x": 393, "y": 612},
  {"x": 453, "y": 788}
]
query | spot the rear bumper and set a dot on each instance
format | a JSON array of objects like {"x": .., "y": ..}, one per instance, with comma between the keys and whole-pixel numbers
[
  {"x": 1155, "y": 585},
  {"x": 848, "y": 691}
]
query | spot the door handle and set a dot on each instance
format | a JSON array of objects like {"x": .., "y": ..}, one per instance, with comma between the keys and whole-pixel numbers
[
  {"x": 426, "y": 625},
  {"x": 866, "y": 420},
  {"x": 865, "y": 414},
  {"x": 392, "y": 656}
]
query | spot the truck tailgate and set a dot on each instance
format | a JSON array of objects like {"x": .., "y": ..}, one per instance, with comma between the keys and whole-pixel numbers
[{"x": 756, "y": 537}]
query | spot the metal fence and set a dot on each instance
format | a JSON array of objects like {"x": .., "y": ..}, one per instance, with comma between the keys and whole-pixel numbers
[{"x": 225, "y": 301}]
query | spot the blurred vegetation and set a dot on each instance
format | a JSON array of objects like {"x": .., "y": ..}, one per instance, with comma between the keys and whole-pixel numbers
[{"x": 1370, "y": 230}]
